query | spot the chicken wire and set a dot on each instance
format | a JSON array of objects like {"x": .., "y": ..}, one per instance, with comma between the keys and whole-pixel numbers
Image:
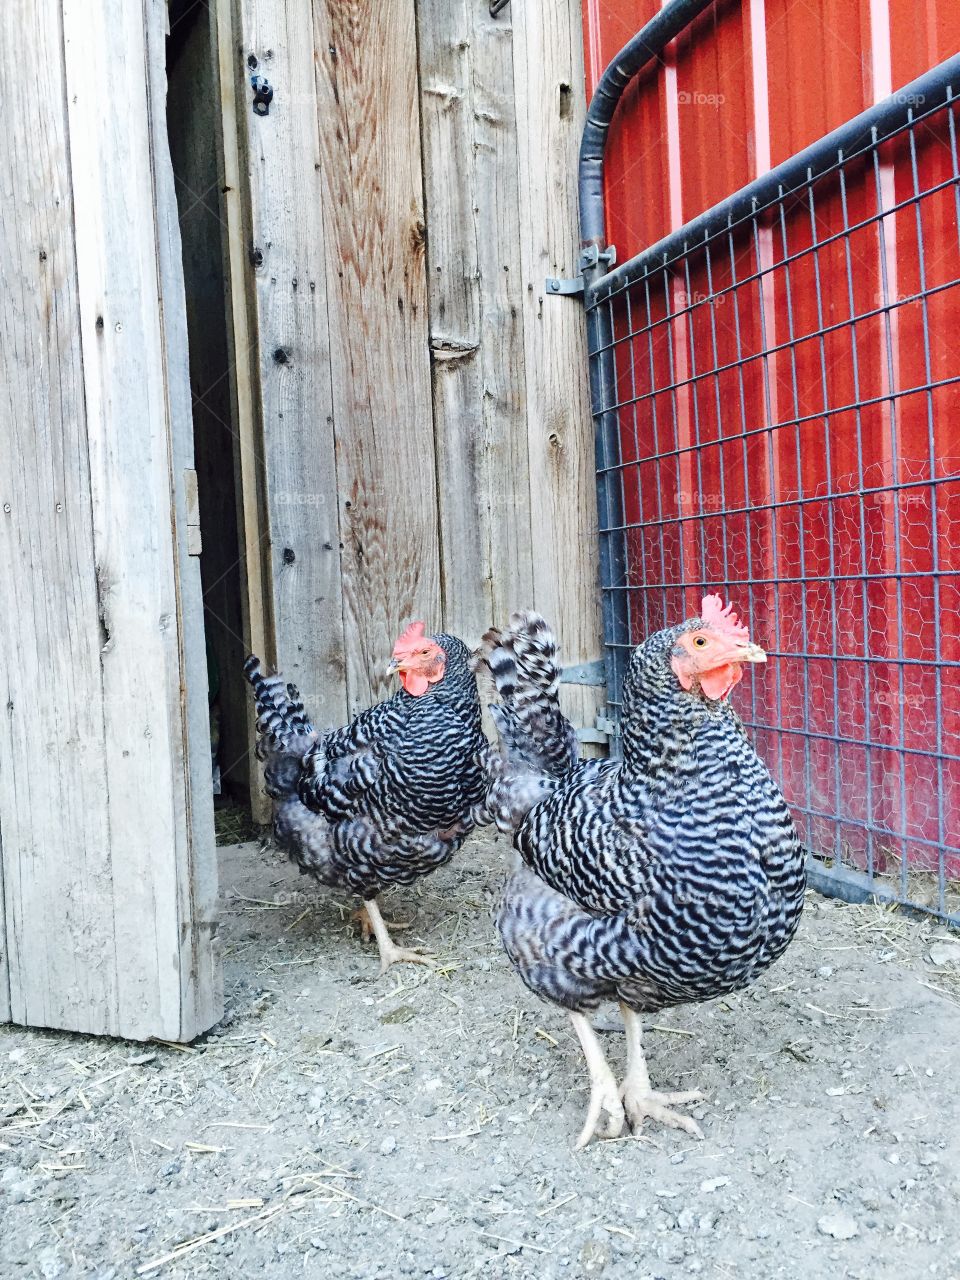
[{"x": 775, "y": 392}]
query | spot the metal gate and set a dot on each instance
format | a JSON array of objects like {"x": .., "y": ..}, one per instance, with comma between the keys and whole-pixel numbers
[{"x": 776, "y": 398}]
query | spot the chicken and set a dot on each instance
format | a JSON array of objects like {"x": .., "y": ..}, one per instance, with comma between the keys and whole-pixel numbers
[
  {"x": 390, "y": 797},
  {"x": 672, "y": 876}
]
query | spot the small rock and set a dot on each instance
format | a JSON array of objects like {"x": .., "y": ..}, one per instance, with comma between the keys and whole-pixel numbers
[
  {"x": 594, "y": 1256},
  {"x": 825, "y": 971},
  {"x": 141, "y": 1059},
  {"x": 944, "y": 953},
  {"x": 49, "y": 1263},
  {"x": 388, "y": 1146},
  {"x": 714, "y": 1184},
  {"x": 839, "y": 1226}
]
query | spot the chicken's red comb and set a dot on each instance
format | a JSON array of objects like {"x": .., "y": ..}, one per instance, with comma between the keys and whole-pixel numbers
[
  {"x": 411, "y": 638},
  {"x": 723, "y": 619}
]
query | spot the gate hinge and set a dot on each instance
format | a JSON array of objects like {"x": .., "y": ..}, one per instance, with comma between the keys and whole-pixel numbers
[
  {"x": 497, "y": 6},
  {"x": 592, "y": 673},
  {"x": 592, "y": 256},
  {"x": 604, "y": 732}
]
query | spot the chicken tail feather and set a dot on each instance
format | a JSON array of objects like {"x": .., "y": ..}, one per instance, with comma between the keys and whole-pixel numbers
[
  {"x": 284, "y": 732},
  {"x": 538, "y": 745}
]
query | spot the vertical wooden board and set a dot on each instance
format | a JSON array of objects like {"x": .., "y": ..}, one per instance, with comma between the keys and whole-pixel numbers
[
  {"x": 468, "y": 127},
  {"x": 548, "y": 75},
  {"x": 288, "y": 258},
  {"x": 370, "y": 160},
  {"x": 252, "y": 526},
  {"x": 131, "y": 469},
  {"x": 53, "y": 776},
  {"x": 200, "y": 965}
]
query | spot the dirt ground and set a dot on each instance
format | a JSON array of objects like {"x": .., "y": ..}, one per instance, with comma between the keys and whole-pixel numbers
[{"x": 340, "y": 1124}]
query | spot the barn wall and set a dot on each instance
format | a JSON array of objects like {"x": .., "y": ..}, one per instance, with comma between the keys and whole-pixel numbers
[{"x": 418, "y": 408}]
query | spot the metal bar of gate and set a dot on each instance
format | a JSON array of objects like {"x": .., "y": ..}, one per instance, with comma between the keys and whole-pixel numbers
[{"x": 607, "y": 286}]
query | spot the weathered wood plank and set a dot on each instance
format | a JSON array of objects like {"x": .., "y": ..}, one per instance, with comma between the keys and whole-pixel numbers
[
  {"x": 288, "y": 260},
  {"x": 244, "y": 362},
  {"x": 200, "y": 966},
  {"x": 370, "y": 161},
  {"x": 550, "y": 103},
  {"x": 102, "y": 836},
  {"x": 476, "y": 306},
  {"x": 53, "y": 777}
]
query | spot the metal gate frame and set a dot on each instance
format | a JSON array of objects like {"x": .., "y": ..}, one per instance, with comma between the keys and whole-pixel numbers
[{"x": 602, "y": 284}]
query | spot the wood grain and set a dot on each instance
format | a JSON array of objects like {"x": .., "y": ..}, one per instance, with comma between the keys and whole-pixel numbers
[
  {"x": 476, "y": 304},
  {"x": 199, "y": 958},
  {"x": 53, "y": 778},
  {"x": 550, "y": 104},
  {"x": 370, "y": 158},
  {"x": 244, "y": 363},
  {"x": 288, "y": 263},
  {"x": 101, "y": 849}
]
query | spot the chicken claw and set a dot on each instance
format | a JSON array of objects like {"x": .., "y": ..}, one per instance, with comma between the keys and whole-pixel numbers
[
  {"x": 390, "y": 953},
  {"x": 604, "y": 1095},
  {"x": 641, "y": 1102}
]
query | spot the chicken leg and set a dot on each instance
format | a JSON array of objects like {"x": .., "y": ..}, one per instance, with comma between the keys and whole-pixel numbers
[
  {"x": 604, "y": 1097},
  {"x": 390, "y": 953},
  {"x": 639, "y": 1100}
]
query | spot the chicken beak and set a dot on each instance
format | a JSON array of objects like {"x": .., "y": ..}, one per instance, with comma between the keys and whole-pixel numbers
[
  {"x": 750, "y": 653},
  {"x": 393, "y": 666}
]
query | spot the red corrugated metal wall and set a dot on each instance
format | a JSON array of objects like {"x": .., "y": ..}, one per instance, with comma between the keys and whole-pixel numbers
[{"x": 748, "y": 85}]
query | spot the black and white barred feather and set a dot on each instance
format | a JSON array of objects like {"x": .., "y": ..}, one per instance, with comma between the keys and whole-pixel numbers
[
  {"x": 675, "y": 875},
  {"x": 389, "y": 797},
  {"x": 538, "y": 745}
]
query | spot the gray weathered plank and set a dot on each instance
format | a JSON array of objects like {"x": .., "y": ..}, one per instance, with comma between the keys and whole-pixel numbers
[
  {"x": 102, "y": 837},
  {"x": 53, "y": 776},
  {"x": 132, "y": 465},
  {"x": 244, "y": 364},
  {"x": 550, "y": 103},
  {"x": 200, "y": 966},
  {"x": 288, "y": 259},
  {"x": 370, "y": 162},
  {"x": 476, "y": 305}
]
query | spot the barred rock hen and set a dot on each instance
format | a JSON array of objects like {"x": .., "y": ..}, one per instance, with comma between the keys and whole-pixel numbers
[
  {"x": 672, "y": 876},
  {"x": 392, "y": 796}
]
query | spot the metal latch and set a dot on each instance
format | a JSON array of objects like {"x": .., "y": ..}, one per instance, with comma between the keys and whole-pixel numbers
[
  {"x": 262, "y": 95},
  {"x": 592, "y": 256}
]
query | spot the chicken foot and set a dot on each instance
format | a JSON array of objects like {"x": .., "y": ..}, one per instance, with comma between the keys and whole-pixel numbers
[
  {"x": 390, "y": 953},
  {"x": 639, "y": 1100},
  {"x": 604, "y": 1095}
]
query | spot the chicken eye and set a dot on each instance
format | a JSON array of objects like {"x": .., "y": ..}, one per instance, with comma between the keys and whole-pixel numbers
[{"x": 700, "y": 641}]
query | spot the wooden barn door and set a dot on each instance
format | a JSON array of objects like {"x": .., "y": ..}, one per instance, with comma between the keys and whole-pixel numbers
[
  {"x": 414, "y": 431},
  {"x": 107, "y": 859}
]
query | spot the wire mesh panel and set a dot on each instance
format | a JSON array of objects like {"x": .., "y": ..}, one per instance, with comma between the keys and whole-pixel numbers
[{"x": 777, "y": 399}]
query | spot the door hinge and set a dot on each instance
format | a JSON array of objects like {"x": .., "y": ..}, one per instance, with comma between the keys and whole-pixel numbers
[
  {"x": 605, "y": 732},
  {"x": 592, "y": 256},
  {"x": 592, "y": 673}
]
